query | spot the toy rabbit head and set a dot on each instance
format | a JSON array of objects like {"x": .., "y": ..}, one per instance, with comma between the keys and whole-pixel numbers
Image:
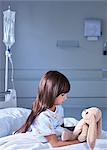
[{"x": 93, "y": 117}]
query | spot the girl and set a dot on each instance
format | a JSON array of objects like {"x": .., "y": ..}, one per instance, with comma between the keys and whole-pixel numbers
[{"x": 46, "y": 117}]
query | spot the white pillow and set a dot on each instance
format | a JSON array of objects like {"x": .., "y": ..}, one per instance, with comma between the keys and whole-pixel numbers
[
  {"x": 12, "y": 119},
  {"x": 69, "y": 122}
]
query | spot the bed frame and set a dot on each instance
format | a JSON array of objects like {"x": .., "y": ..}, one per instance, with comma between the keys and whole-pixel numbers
[{"x": 10, "y": 99}]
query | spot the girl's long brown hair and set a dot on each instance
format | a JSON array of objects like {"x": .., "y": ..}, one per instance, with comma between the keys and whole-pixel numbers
[{"x": 52, "y": 84}]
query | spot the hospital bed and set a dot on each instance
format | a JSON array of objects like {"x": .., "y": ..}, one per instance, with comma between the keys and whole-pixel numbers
[{"x": 12, "y": 118}]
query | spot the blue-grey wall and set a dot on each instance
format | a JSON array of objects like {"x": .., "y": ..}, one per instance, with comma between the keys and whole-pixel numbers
[
  {"x": 38, "y": 27},
  {"x": 1, "y": 51}
]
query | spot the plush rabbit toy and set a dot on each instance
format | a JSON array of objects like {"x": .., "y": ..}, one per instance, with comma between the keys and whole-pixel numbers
[{"x": 90, "y": 126}]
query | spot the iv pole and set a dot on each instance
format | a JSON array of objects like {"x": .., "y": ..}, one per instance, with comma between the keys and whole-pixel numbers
[{"x": 9, "y": 40}]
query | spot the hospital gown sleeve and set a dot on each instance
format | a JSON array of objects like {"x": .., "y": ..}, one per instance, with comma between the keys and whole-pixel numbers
[{"x": 45, "y": 126}]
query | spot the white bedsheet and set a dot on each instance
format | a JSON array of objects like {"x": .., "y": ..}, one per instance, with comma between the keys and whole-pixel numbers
[{"x": 27, "y": 141}]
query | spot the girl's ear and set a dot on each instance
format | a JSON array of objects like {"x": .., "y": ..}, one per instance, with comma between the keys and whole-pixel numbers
[{"x": 92, "y": 132}]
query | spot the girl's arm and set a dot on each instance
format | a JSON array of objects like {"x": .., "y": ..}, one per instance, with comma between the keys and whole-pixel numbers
[{"x": 53, "y": 140}]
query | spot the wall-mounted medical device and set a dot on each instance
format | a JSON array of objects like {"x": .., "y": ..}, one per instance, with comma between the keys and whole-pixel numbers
[{"x": 92, "y": 29}]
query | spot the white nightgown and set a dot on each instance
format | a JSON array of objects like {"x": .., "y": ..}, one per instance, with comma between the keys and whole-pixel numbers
[{"x": 48, "y": 123}]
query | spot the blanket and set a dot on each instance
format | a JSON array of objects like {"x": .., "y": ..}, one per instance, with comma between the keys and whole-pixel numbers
[{"x": 28, "y": 141}]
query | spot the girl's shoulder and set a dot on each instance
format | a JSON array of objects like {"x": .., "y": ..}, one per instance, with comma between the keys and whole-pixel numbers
[
  {"x": 49, "y": 114},
  {"x": 43, "y": 115}
]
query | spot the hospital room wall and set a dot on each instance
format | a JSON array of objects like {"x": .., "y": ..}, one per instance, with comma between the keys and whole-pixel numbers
[
  {"x": 38, "y": 27},
  {"x": 0, "y": 43},
  {"x": 1, "y": 51},
  {"x": 104, "y": 60}
]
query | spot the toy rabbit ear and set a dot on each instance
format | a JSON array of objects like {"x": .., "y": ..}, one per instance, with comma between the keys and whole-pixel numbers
[
  {"x": 99, "y": 128},
  {"x": 92, "y": 132}
]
